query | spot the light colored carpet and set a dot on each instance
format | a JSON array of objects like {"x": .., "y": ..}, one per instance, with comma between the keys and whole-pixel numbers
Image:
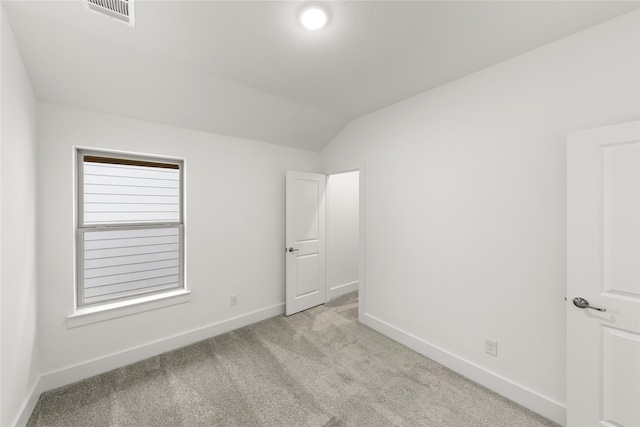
[{"x": 316, "y": 368}]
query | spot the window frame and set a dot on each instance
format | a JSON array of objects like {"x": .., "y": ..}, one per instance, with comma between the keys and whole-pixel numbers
[{"x": 82, "y": 228}]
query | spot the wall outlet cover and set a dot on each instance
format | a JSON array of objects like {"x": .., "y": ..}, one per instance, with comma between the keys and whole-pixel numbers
[{"x": 491, "y": 346}]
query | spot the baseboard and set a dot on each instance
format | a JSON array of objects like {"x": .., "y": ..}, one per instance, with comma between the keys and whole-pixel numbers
[
  {"x": 107, "y": 363},
  {"x": 29, "y": 404},
  {"x": 538, "y": 403},
  {"x": 339, "y": 290}
]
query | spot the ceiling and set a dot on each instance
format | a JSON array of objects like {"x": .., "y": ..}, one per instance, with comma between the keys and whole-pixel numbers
[{"x": 249, "y": 69}]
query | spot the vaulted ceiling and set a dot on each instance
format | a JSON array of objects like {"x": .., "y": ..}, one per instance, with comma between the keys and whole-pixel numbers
[{"x": 249, "y": 69}]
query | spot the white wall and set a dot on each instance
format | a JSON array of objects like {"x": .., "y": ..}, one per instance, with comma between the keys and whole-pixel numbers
[
  {"x": 234, "y": 237},
  {"x": 18, "y": 274},
  {"x": 342, "y": 232},
  {"x": 465, "y": 205}
]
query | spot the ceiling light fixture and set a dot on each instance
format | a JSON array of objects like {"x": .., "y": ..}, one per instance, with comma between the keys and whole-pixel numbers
[{"x": 313, "y": 18}]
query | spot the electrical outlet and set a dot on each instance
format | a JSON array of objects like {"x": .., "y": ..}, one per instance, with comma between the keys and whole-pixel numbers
[
  {"x": 491, "y": 347},
  {"x": 234, "y": 300}
]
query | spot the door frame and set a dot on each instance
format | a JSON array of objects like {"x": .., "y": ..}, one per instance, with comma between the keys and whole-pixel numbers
[{"x": 361, "y": 234}]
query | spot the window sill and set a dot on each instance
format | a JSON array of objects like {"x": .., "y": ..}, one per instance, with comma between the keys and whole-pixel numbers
[{"x": 86, "y": 316}]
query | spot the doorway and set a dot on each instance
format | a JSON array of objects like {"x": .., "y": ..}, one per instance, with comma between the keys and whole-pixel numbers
[
  {"x": 343, "y": 233},
  {"x": 314, "y": 203}
]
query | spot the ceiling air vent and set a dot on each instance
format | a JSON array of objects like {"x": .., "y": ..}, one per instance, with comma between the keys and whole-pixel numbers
[{"x": 121, "y": 10}]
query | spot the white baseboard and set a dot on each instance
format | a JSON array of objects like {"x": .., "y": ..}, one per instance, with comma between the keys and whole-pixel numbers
[
  {"x": 107, "y": 363},
  {"x": 339, "y": 290},
  {"x": 29, "y": 404},
  {"x": 538, "y": 403}
]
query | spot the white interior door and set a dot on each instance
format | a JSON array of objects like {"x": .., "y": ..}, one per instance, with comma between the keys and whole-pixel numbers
[
  {"x": 603, "y": 268},
  {"x": 305, "y": 241}
]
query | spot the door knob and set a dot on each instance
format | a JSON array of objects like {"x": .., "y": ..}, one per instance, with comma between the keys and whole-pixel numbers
[
  {"x": 583, "y": 303},
  {"x": 291, "y": 250}
]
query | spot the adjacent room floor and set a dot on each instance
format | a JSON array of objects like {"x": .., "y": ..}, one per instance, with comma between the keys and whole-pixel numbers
[{"x": 316, "y": 368}]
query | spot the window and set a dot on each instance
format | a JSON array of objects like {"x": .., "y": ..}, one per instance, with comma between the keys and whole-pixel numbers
[{"x": 130, "y": 227}]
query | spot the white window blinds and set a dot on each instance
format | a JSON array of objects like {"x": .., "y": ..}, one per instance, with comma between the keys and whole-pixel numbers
[
  {"x": 130, "y": 234},
  {"x": 126, "y": 193},
  {"x": 124, "y": 263}
]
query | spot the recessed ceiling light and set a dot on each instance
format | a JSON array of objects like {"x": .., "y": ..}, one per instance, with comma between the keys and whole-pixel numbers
[{"x": 313, "y": 18}]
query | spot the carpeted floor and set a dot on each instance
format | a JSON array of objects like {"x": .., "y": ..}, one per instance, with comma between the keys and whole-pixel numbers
[{"x": 316, "y": 368}]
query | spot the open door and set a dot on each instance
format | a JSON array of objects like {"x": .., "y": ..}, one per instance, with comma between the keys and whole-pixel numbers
[
  {"x": 305, "y": 241},
  {"x": 603, "y": 277}
]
